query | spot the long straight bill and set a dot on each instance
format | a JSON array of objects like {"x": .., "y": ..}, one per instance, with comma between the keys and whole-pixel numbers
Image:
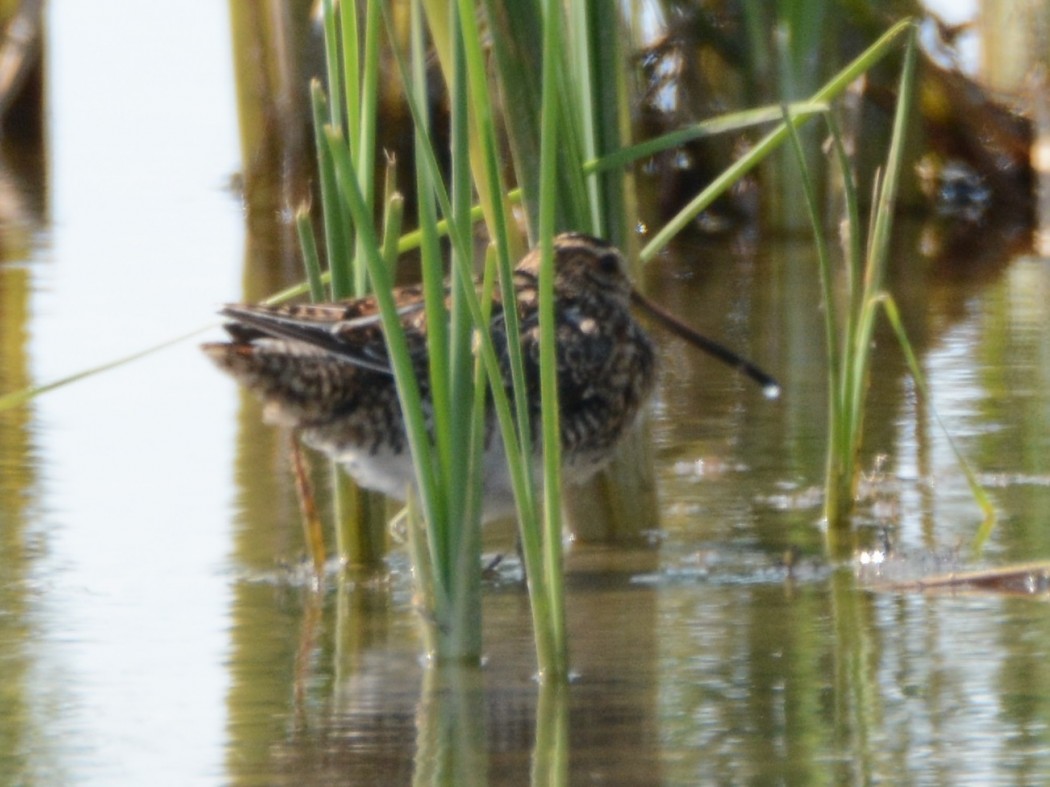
[{"x": 770, "y": 387}]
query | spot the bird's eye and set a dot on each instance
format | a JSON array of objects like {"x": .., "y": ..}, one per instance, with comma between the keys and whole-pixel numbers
[{"x": 609, "y": 264}]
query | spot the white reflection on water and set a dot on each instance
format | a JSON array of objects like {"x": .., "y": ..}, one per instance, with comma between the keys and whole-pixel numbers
[{"x": 144, "y": 241}]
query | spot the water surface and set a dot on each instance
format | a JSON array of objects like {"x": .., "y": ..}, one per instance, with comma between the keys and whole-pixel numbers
[{"x": 154, "y": 628}]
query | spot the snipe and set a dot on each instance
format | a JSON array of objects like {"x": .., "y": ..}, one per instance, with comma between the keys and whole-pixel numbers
[{"x": 323, "y": 369}]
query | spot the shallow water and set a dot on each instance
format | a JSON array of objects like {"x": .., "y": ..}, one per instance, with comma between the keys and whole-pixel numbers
[{"x": 152, "y": 631}]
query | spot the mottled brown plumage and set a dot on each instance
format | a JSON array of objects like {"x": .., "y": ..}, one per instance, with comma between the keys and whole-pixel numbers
[{"x": 323, "y": 369}]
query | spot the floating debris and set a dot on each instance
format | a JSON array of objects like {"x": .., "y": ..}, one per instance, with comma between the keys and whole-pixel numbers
[{"x": 1021, "y": 579}]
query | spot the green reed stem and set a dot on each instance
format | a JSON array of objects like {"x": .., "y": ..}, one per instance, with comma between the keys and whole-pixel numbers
[
  {"x": 856, "y": 362},
  {"x": 331, "y": 52},
  {"x": 363, "y": 135},
  {"x": 467, "y": 466},
  {"x": 350, "y": 48},
  {"x": 827, "y": 288},
  {"x": 607, "y": 120},
  {"x": 499, "y": 226},
  {"x": 514, "y": 430},
  {"x": 550, "y": 758},
  {"x": 854, "y": 246},
  {"x": 849, "y": 358},
  {"x": 393, "y": 333},
  {"x": 337, "y": 228},
  {"x": 461, "y": 243},
  {"x": 723, "y": 124},
  {"x": 311, "y": 260},
  {"x": 431, "y": 263},
  {"x": 20, "y": 397},
  {"x": 835, "y": 86},
  {"x": 553, "y": 664},
  {"x": 980, "y": 495},
  {"x": 392, "y": 218},
  {"x": 585, "y": 100}
]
